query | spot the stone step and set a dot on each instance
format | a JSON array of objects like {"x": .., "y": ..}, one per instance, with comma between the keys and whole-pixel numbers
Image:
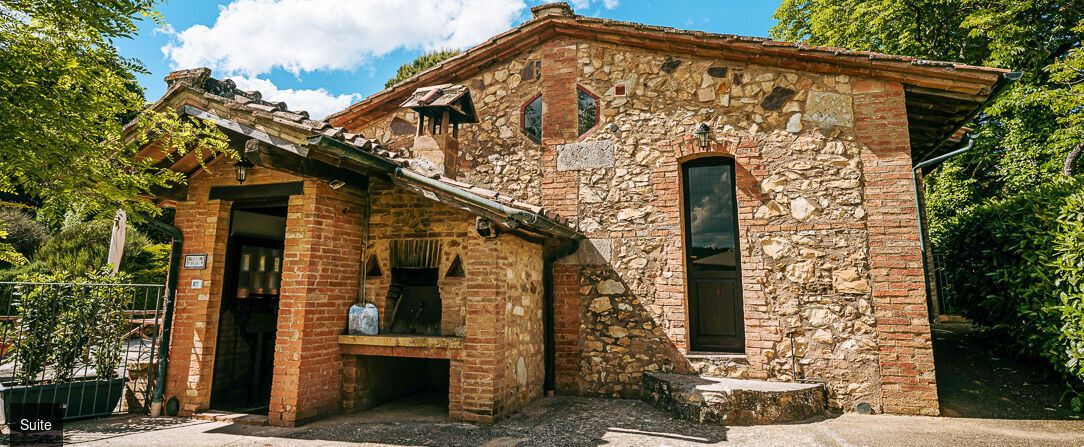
[
  {"x": 717, "y": 400},
  {"x": 235, "y": 418}
]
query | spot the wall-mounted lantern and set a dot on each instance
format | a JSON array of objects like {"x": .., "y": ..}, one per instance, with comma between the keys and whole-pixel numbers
[
  {"x": 242, "y": 167},
  {"x": 701, "y": 133},
  {"x": 485, "y": 228}
]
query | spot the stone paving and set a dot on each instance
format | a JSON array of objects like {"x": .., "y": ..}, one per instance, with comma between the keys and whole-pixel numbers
[{"x": 575, "y": 421}]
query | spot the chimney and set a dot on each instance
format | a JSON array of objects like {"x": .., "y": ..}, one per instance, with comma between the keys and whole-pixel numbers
[
  {"x": 557, "y": 9},
  {"x": 441, "y": 109}
]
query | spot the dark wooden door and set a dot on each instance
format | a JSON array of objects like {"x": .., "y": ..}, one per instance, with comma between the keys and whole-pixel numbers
[{"x": 712, "y": 258}]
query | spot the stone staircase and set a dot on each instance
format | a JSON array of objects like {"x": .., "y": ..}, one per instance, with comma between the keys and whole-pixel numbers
[{"x": 716, "y": 400}]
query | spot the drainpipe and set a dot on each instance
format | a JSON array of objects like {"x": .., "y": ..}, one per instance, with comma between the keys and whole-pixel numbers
[
  {"x": 922, "y": 209},
  {"x": 1002, "y": 84},
  {"x": 167, "y": 316}
]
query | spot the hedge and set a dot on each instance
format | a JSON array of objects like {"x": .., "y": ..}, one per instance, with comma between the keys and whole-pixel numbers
[{"x": 1016, "y": 266}]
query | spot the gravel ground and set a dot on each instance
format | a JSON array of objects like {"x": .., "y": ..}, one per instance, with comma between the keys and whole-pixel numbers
[
  {"x": 576, "y": 421},
  {"x": 992, "y": 401}
]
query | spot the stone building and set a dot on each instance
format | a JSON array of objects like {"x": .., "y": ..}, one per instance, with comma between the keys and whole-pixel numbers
[{"x": 644, "y": 199}]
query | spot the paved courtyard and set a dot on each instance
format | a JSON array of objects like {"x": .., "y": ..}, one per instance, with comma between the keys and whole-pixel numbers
[{"x": 576, "y": 421}]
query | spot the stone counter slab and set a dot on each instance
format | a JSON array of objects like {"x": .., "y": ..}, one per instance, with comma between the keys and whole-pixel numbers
[{"x": 715, "y": 400}]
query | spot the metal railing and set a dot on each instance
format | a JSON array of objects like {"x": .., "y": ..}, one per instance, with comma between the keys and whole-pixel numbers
[
  {"x": 941, "y": 285},
  {"x": 89, "y": 346}
]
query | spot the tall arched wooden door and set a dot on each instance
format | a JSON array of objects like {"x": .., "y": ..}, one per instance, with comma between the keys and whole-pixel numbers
[{"x": 712, "y": 258}]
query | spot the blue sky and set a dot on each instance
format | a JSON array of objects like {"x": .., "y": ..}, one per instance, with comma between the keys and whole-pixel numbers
[{"x": 321, "y": 55}]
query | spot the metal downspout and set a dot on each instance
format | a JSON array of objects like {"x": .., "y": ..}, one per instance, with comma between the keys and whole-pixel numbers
[
  {"x": 167, "y": 317},
  {"x": 922, "y": 209}
]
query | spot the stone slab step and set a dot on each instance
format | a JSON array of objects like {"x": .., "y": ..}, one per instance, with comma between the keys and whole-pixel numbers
[
  {"x": 717, "y": 400},
  {"x": 235, "y": 418}
]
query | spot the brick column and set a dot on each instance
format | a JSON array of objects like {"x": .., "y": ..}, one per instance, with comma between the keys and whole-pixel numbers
[
  {"x": 566, "y": 330},
  {"x": 560, "y": 190},
  {"x": 483, "y": 342},
  {"x": 899, "y": 299},
  {"x": 560, "y": 193},
  {"x": 205, "y": 225},
  {"x": 321, "y": 265}
]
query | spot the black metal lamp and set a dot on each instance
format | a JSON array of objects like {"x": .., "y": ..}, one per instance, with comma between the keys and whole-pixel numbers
[
  {"x": 242, "y": 167},
  {"x": 701, "y": 133}
]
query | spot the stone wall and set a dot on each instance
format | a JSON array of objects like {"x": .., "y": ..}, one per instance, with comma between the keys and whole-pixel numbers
[
  {"x": 818, "y": 252},
  {"x": 523, "y": 365}
]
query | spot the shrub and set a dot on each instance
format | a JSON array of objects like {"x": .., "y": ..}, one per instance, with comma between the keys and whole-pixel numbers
[
  {"x": 64, "y": 322},
  {"x": 25, "y": 234},
  {"x": 1016, "y": 266},
  {"x": 82, "y": 248}
]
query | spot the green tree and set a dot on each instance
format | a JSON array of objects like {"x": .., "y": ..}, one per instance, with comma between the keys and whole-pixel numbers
[
  {"x": 65, "y": 96},
  {"x": 1004, "y": 214},
  {"x": 419, "y": 65},
  {"x": 1023, "y": 138}
]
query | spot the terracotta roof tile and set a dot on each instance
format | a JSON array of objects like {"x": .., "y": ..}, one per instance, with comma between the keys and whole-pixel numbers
[{"x": 226, "y": 93}]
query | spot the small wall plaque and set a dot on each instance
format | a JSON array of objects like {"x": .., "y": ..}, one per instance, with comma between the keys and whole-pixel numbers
[
  {"x": 197, "y": 284},
  {"x": 195, "y": 261}
]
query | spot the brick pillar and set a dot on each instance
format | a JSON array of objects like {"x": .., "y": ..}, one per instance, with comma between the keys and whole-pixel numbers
[
  {"x": 560, "y": 193},
  {"x": 566, "y": 330},
  {"x": 559, "y": 189},
  {"x": 205, "y": 225},
  {"x": 908, "y": 385},
  {"x": 483, "y": 344},
  {"x": 320, "y": 268}
]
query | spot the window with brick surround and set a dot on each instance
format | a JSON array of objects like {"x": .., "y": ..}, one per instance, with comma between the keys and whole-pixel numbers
[
  {"x": 531, "y": 118},
  {"x": 587, "y": 110}
]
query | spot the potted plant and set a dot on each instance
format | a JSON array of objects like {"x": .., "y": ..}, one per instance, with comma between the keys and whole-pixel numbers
[{"x": 68, "y": 342}]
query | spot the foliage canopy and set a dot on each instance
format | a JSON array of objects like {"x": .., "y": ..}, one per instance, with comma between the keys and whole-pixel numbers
[
  {"x": 1022, "y": 138},
  {"x": 65, "y": 95},
  {"x": 1008, "y": 222}
]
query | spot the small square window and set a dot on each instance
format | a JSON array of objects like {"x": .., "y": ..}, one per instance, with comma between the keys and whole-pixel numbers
[{"x": 620, "y": 90}]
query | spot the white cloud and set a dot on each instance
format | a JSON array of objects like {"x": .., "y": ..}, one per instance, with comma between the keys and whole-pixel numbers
[
  {"x": 252, "y": 37},
  {"x": 319, "y": 103},
  {"x": 584, "y": 4}
]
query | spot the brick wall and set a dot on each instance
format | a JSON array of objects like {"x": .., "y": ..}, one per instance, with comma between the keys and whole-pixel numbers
[
  {"x": 205, "y": 225},
  {"x": 566, "y": 331},
  {"x": 496, "y": 307},
  {"x": 903, "y": 331},
  {"x": 320, "y": 271},
  {"x": 559, "y": 189}
]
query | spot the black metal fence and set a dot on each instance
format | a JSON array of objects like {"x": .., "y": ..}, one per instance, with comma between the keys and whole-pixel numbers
[
  {"x": 941, "y": 285},
  {"x": 89, "y": 346}
]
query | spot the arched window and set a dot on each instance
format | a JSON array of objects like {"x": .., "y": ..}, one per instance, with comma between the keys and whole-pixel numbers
[
  {"x": 712, "y": 257},
  {"x": 587, "y": 111},
  {"x": 531, "y": 118}
]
